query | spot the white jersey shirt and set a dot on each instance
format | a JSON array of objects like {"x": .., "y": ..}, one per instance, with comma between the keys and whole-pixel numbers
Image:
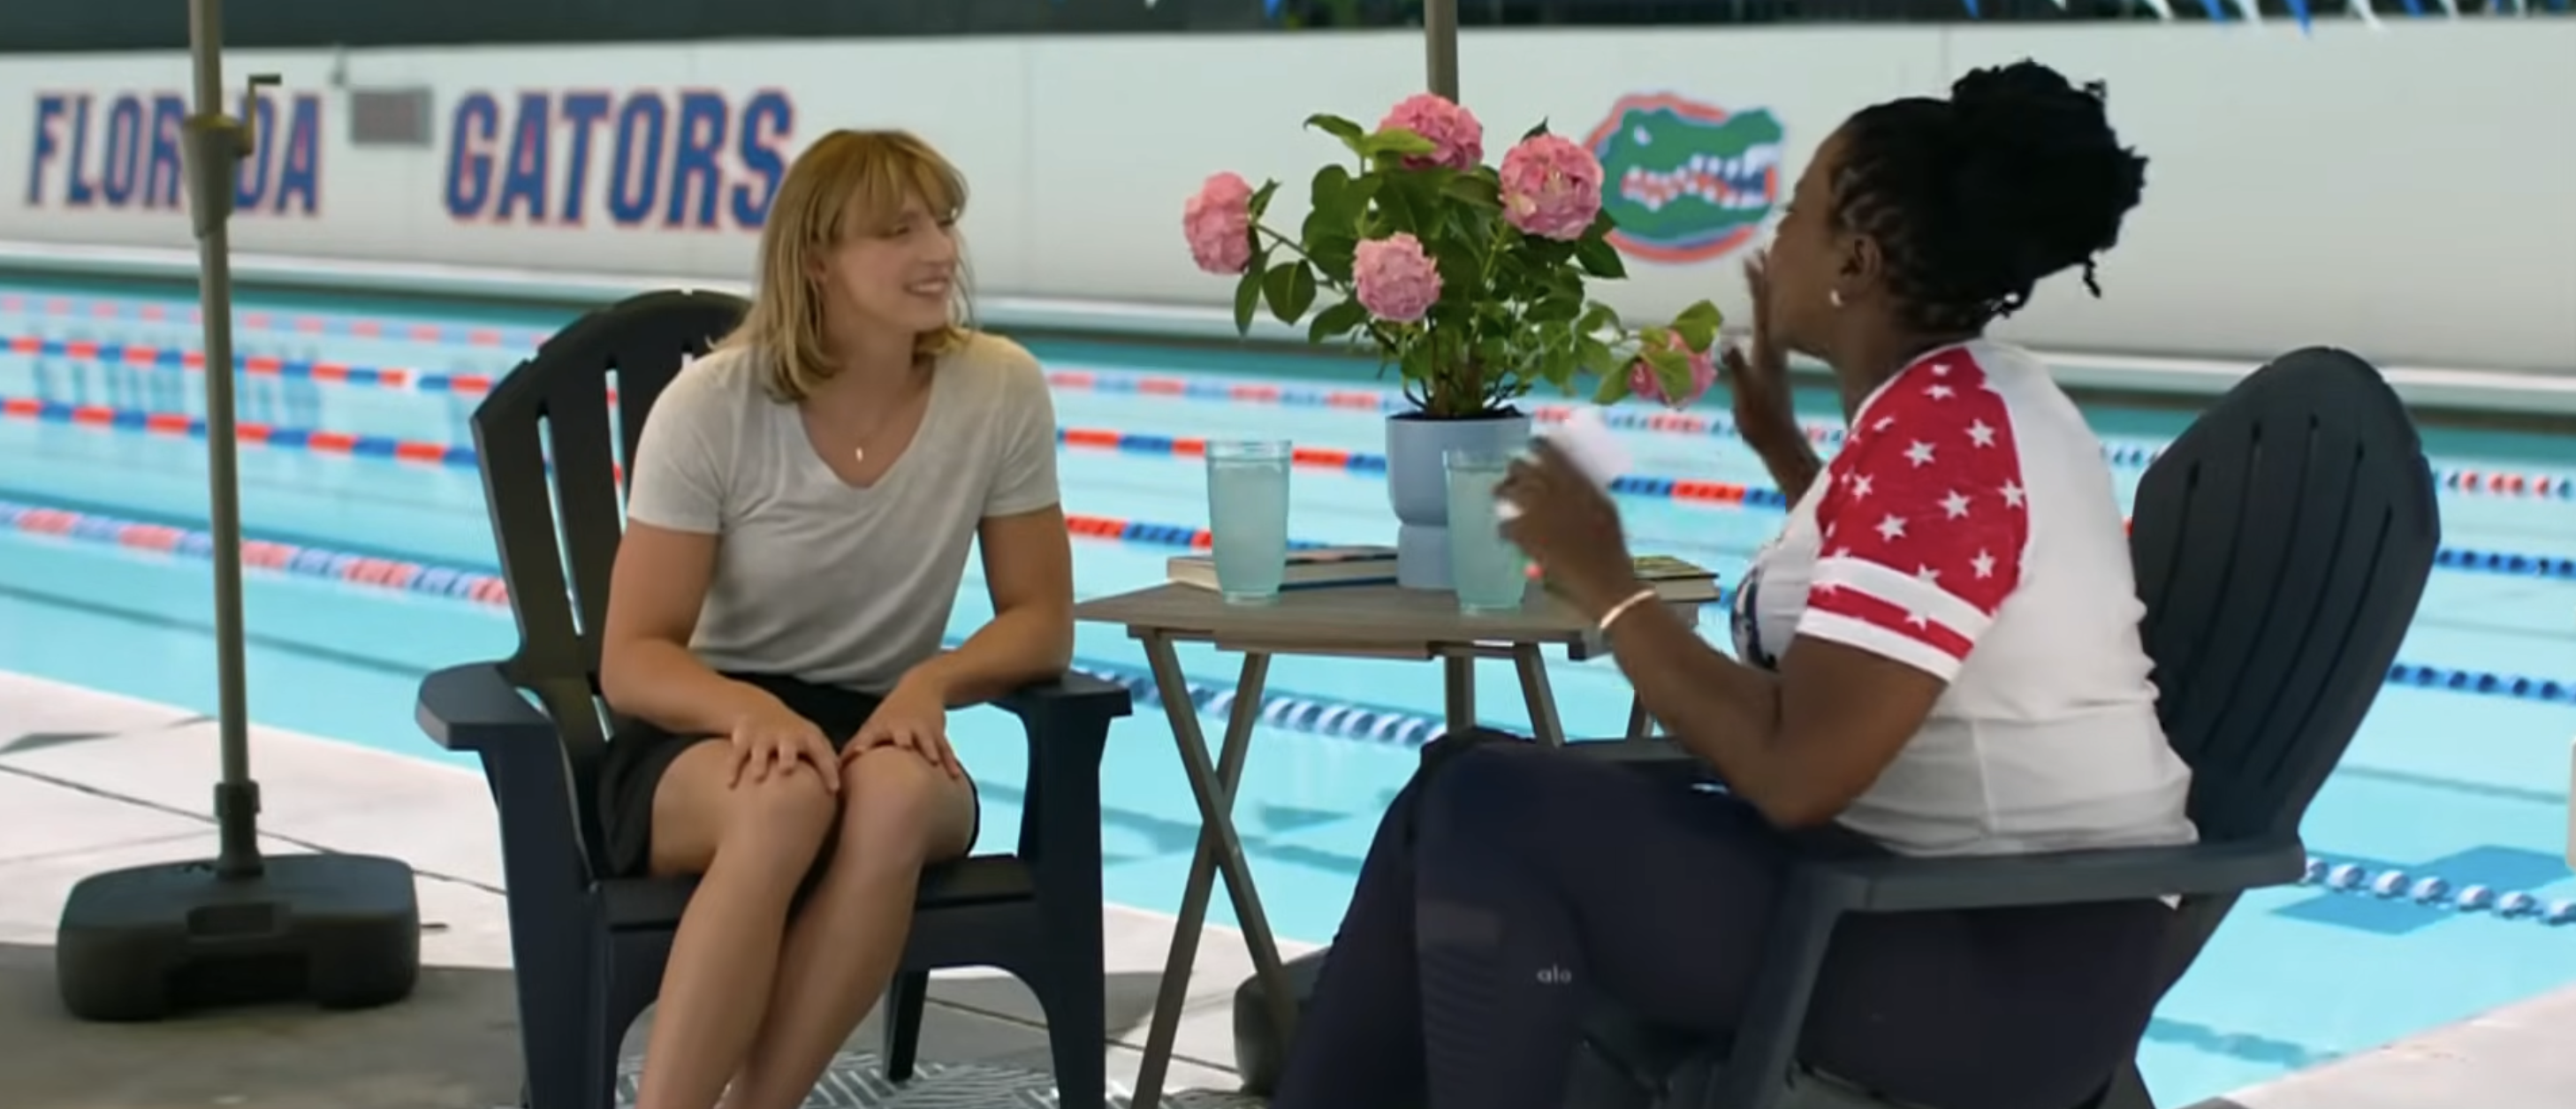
[{"x": 1969, "y": 528}]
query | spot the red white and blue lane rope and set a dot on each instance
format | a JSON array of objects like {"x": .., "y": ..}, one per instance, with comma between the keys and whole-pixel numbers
[
  {"x": 1283, "y": 710},
  {"x": 460, "y": 456},
  {"x": 2121, "y": 455},
  {"x": 296, "y": 323}
]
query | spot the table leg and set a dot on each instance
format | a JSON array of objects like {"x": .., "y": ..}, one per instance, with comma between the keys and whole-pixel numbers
[
  {"x": 1220, "y": 849},
  {"x": 1540, "y": 696},
  {"x": 1640, "y": 725},
  {"x": 1458, "y": 693}
]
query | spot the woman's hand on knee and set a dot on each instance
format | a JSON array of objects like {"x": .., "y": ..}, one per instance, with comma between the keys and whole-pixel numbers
[
  {"x": 914, "y": 721},
  {"x": 773, "y": 741},
  {"x": 896, "y": 805}
]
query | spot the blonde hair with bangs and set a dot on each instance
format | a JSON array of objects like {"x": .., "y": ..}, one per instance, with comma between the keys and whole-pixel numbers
[{"x": 848, "y": 182}]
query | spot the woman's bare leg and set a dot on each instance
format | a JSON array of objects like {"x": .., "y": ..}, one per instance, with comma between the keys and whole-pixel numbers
[
  {"x": 897, "y": 812},
  {"x": 752, "y": 844}
]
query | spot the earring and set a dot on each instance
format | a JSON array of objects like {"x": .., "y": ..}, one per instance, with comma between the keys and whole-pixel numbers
[{"x": 1834, "y": 297}]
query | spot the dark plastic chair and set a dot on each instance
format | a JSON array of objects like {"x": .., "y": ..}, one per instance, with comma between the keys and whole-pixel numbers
[
  {"x": 589, "y": 948},
  {"x": 2281, "y": 546}
]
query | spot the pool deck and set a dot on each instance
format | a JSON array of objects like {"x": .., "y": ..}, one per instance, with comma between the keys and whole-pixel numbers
[{"x": 91, "y": 782}]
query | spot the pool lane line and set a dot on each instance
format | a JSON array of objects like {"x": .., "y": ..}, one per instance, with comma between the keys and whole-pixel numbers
[
  {"x": 1279, "y": 709},
  {"x": 2124, "y": 455},
  {"x": 482, "y": 586},
  {"x": 291, "y": 323},
  {"x": 461, "y": 456}
]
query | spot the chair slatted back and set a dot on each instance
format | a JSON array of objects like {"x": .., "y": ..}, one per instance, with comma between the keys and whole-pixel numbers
[
  {"x": 556, "y": 437},
  {"x": 2281, "y": 545}
]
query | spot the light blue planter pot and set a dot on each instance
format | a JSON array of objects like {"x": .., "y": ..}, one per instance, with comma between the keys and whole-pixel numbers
[{"x": 1417, "y": 485}]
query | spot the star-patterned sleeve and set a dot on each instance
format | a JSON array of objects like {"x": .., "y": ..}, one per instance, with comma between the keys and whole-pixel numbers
[{"x": 1925, "y": 523}]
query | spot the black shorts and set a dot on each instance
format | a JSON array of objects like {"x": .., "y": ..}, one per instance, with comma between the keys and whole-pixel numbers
[{"x": 640, "y": 754}]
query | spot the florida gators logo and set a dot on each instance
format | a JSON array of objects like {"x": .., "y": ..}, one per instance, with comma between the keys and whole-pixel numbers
[{"x": 1686, "y": 181}]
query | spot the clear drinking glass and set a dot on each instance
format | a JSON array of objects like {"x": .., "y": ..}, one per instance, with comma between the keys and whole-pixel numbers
[
  {"x": 1487, "y": 570},
  {"x": 1248, "y": 517}
]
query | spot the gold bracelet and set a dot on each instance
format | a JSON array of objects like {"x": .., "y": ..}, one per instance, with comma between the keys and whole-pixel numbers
[{"x": 1639, "y": 597}]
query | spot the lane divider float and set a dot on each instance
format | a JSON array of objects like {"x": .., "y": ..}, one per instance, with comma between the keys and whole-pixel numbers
[
  {"x": 2126, "y": 455},
  {"x": 461, "y": 456},
  {"x": 297, "y": 323},
  {"x": 1287, "y": 711},
  {"x": 485, "y": 587},
  {"x": 2432, "y": 891}
]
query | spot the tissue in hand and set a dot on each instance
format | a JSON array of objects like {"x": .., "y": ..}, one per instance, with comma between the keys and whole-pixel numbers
[{"x": 1588, "y": 442}]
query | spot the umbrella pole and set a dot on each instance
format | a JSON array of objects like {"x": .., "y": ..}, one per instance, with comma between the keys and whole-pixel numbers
[
  {"x": 1440, "y": 44},
  {"x": 215, "y": 146}
]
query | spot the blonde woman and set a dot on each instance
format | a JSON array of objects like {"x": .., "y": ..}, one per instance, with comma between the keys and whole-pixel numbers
[{"x": 802, "y": 504}]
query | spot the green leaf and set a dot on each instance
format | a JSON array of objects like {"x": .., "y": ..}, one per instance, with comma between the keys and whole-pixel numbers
[
  {"x": 1555, "y": 309},
  {"x": 1597, "y": 319},
  {"x": 1336, "y": 321},
  {"x": 1247, "y": 299},
  {"x": 1557, "y": 366},
  {"x": 1290, "y": 289},
  {"x": 1339, "y": 202},
  {"x": 1599, "y": 259},
  {"x": 1350, "y": 133},
  {"x": 1534, "y": 132},
  {"x": 1612, "y": 390},
  {"x": 1597, "y": 357},
  {"x": 1395, "y": 142},
  {"x": 1672, "y": 368},
  {"x": 1396, "y": 211},
  {"x": 1326, "y": 192},
  {"x": 1474, "y": 189},
  {"x": 1332, "y": 251},
  {"x": 1261, "y": 198},
  {"x": 1697, "y": 325}
]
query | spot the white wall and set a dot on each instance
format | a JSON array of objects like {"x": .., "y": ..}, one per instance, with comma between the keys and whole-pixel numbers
[{"x": 2404, "y": 193}]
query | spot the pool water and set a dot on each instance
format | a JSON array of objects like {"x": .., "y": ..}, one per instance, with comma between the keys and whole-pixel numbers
[{"x": 2460, "y": 785}]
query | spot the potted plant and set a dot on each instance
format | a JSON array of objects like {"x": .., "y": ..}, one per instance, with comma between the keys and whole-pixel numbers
[{"x": 1468, "y": 279}]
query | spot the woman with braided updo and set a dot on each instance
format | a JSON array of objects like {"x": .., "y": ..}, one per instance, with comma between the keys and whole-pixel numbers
[{"x": 1939, "y": 655}]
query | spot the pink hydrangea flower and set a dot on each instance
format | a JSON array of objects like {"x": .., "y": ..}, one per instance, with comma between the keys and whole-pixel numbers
[
  {"x": 1218, "y": 223},
  {"x": 1551, "y": 187},
  {"x": 1397, "y": 280},
  {"x": 1643, "y": 381},
  {"x": 1457, "y": 139}
]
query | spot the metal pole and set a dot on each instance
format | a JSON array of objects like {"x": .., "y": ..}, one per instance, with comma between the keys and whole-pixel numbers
[
  {"x": 1440, "y": 43},
  {"x": 215, "y": 146}
]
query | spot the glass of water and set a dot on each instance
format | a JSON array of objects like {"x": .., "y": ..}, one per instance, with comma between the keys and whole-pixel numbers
[
  {"x": 1487, "y": 570},
  {"x": 1248, "y": 517}
]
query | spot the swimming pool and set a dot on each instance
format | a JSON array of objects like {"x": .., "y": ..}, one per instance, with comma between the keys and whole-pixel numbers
[{"x": 375, "y": 553}]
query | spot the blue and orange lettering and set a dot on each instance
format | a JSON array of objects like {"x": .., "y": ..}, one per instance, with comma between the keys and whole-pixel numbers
[
  {"x": 691, "y": 157},
  {"x": 524, "y": 186},
  {"x": 49, "y": 108},
  {"x": 469, "y": 155},
  {"x": 127, "y": 156},
  {"x": 766, "y": 123},
  {"x": 582, "y": 113}
]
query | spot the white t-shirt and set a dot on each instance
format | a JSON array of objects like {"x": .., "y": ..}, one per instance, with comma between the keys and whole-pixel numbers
[
  {"x": 816, "y": 579},
  {"x": 1969, "y": 528}
]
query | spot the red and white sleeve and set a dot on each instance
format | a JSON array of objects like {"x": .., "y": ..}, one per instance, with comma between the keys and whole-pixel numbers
[{"x": 1925, "y": 523}]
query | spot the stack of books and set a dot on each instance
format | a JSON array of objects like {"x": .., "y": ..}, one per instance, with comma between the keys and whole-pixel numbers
[
  {"x": 1312, "y": 568},
  {"x": 1676, "y": 580}
]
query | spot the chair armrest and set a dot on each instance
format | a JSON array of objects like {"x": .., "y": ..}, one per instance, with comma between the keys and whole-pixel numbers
[
  {"x": 1824, "y": 884},
  {"x": 1897, "y": 884},
  {"x": 1075, "y": 693},
  {"x": 1067, "y": 719},
  {"x": 475, "y": 707}
]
